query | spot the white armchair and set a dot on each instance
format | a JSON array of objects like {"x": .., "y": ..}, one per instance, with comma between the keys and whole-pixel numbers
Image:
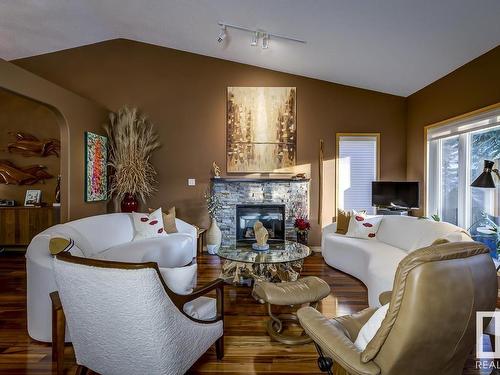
[{"x": 123, "y": 319}]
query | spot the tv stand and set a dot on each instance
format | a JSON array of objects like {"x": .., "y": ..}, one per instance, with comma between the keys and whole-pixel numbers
[{"x": 393, "y": 211}]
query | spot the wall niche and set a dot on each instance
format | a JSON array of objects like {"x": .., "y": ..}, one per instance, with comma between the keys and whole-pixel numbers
[{"x": 20, "y": 114}]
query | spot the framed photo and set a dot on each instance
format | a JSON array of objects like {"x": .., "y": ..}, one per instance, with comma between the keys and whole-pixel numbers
[
  {"x": 33, "y": 197},
  {"x": 96, "y": 160}
]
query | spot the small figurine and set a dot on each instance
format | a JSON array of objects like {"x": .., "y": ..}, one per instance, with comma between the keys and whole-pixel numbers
[
  {"x": 261, "y": 236},
  {"x": 215, "y": 170},
  {"x": 57, "y": 195}
]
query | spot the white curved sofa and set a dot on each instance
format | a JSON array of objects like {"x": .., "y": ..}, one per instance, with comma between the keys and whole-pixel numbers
[
  {"x": 374, "y": 262},
  {"x": 106, "y": 237}
]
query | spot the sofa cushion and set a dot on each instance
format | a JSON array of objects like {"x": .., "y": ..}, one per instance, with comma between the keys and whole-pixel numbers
[
  {"x": 97, "y": 233},
  {"x": 202, "y": 308},
  {"x": 410, "y": 233},
  {"x": 343, "y": 218},
  {"x": 370, "y": 328},
  {"x": 162, "y": 250},
  {"x": 148, "y": 225},
  {"x": 363, "y": 227}
]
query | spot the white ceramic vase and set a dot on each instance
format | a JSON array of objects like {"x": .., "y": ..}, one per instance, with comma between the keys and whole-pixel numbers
[{"x": 213, "y": 237}]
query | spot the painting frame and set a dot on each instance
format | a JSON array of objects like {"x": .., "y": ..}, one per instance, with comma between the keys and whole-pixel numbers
[
  {"x": 32, "y": 198},
  {"x": 96, "y": 166},
  {"x": 267, "y": 141}
]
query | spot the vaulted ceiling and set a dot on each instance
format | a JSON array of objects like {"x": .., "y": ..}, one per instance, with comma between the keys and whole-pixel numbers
[{"x": 393, "y": 46}]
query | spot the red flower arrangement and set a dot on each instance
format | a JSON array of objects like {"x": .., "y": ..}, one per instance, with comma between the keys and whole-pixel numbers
[{"x": 302, "y": 225}]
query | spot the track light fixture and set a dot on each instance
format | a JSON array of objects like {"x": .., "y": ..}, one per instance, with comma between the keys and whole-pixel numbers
[
  {"x": 256, "y": 35},
  {"x": 255, "y": 39},
  {"x": 222, "y": 34},
  {"x": 265, "y": 41}
]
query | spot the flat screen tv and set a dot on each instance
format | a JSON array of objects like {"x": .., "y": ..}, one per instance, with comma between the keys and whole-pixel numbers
[{"x": 404, "y": 194}]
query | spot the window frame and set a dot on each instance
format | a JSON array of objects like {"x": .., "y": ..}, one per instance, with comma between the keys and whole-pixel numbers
[
  {"x": 463, "y": 193},
  {"x": 337, "y": 155}
]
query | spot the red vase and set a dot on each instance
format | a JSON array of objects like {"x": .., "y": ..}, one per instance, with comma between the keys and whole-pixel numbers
[{"x": 129, "y": 203}]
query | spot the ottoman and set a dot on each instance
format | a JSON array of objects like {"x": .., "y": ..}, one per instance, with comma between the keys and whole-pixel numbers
[{"x": 310, "y": 289}]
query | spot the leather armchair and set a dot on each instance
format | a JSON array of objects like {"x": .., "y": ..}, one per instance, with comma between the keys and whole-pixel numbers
[{"x": 430, "y": 325}]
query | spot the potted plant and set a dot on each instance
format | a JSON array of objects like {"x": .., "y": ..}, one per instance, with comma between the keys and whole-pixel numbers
[
  {"x": 132, "y": 140},
  {"x": 302, "y": 227},
  {"x": 214, "y": 235}
]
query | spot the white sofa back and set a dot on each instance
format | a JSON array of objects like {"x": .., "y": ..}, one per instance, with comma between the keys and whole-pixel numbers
[{"x": 409, "y": 233}]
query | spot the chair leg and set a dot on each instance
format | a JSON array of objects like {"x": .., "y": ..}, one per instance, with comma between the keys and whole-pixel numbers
[
  {"x": 324, "y": 363},
  {"x": 58, "y": 333},
  {"x": 219, "y": 347},
  {"x": 81, "y": 370}
]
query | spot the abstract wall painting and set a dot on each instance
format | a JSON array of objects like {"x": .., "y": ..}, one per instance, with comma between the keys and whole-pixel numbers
[
  {"x": 96, "y": 159},
  {"x": 261, "y": 129}
]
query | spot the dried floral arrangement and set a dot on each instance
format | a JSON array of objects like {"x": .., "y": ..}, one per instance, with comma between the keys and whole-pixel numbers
[
  {"x": 214, "y": 204},
  {"x": 132, "y": 140}
]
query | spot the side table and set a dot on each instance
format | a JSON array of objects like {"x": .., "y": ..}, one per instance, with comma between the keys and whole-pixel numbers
[{"x": 200, "y": 239}]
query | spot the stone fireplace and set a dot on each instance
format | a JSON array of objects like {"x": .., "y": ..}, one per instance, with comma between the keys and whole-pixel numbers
[
  {"x": 263, "y": 199},
  {"x": 272, "y": 216}
]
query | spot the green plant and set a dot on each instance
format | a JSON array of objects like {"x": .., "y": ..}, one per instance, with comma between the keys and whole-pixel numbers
[{"x": 434, "y": 217}]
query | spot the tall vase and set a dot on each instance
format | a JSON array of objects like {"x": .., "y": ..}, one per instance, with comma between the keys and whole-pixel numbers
[
  {"x": 213, "y": 237},
  {"x": 129, "y": 203}
]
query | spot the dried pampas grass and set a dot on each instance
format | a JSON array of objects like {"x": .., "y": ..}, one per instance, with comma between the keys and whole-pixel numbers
[{"x": 132, "y": 141}]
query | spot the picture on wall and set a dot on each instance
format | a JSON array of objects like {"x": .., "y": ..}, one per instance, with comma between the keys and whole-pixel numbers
[
  {"x": 96, "y": 159},
  {"x": 261, "y": 129}
]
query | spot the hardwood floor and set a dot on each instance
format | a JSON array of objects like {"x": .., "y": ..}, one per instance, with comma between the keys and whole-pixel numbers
[{"x": 248, "y": 349}]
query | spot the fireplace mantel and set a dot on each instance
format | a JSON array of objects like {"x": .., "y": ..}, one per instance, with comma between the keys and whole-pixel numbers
[{"x": 256, "y": 179}]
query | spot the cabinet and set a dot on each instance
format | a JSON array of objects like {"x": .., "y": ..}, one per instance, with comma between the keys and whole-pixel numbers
[{"x": 18, "y": 225}]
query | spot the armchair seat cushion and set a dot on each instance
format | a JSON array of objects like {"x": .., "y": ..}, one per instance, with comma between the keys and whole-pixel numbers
[
  {"x": 305, "y": 290},
  {"x": 202, "y": 308}
]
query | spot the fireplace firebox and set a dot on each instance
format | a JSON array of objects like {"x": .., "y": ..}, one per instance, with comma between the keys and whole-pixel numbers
[{"x": 271, "y": 215}]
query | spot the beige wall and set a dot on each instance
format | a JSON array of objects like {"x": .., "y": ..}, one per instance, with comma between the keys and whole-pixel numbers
[
  {"x": 184, "y": 95},
  {"x": 472, "y": 86},
  {"x": 18, "y": 114},
  {"x": 74, "y": 116}
]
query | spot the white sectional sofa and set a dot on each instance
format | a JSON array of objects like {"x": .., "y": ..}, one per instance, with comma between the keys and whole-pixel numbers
[
  {"x": 106, "y": 237},
  {"x": 375, "y": 261}
]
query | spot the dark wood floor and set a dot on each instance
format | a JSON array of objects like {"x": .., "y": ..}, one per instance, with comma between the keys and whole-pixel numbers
[{"x": 248, "y": 348}]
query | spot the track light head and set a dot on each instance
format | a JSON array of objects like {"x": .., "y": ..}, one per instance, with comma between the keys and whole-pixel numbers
[
  {"x": 222, "y": 34},
  {"x": 265, "y": 41},
  {"x": 255, "y": 39}
]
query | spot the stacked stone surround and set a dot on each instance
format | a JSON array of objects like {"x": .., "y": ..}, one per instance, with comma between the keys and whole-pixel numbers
[{"x": 294, "y": 194}]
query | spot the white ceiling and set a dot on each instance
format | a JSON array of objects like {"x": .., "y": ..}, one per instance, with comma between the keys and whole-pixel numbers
[{"x": 393, "y": 46}]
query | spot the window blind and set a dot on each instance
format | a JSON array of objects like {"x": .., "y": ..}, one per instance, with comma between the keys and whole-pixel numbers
[
  {"x": 467, "y": 125},
  {"x": 357, "y": 168}
]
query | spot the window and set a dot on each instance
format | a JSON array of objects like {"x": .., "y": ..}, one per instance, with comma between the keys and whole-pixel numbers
[
  {"x": 357, "y": 167},
  {"x": 455, "y": 157}
]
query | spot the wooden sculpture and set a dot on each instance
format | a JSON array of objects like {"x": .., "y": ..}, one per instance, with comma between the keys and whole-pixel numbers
[
  {"x": 29, "y": 145},
  {"x": 11, "y": 174}
]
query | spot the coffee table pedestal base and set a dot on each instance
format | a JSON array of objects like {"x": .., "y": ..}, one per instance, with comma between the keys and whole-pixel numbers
[{"x": 238, "y": 272}]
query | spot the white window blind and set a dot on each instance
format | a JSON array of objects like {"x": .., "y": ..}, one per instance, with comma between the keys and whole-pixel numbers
[
  {"x": 357, "y": 168},
  {"x": 455, "y": 157}
]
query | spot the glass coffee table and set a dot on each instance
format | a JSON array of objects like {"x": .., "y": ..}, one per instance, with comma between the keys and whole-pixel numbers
[{"x": 282, "y": 262}]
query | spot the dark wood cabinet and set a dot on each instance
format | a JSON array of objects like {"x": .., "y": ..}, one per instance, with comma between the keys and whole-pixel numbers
[{"x": 18, "y": 225}]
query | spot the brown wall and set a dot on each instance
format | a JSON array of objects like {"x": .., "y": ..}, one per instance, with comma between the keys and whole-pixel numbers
[
  {"x": 74, "y": 116},
  {"x": 184, "y": 95},
  {"x": 473, "y": 86},
  {"x": 18, "y": 114}
]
